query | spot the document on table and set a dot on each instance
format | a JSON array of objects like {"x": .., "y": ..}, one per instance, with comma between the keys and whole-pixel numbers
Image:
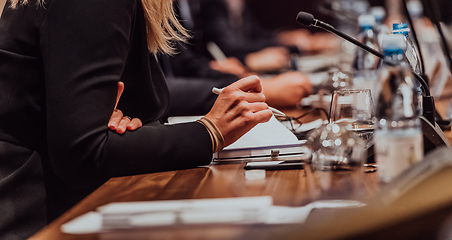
[
  {"x": 238, "y": 210},
  {"x": 258, "y": 142},
  {"x": 261, "y": 141},
  {"x": 270, "y": 133}
]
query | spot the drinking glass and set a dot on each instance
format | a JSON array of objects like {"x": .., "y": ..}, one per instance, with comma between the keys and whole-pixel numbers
[
  {"x": 333, "y": 80},
  {"x": 337, "y": 158},
  {"x": 353, "y": 108}
]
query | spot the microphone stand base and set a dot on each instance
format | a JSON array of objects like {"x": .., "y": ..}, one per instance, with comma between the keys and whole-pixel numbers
[{"x": 434, "y": 138}]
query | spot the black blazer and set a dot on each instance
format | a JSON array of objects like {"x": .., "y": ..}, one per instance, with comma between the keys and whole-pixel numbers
[
  {"x": 188, "y": 74},
  {"x": 234, "y": 40},
  {"x": 190, "y": 81},
  {"x": 59, "y": 69}
]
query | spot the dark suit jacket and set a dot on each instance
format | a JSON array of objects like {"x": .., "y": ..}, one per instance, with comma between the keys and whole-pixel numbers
[
  {"x": 235, "y": 40},
  {"x": 59, "y": 69},
  {"x": 190, "y": 81},
  {"x": 189, "y": 77}
]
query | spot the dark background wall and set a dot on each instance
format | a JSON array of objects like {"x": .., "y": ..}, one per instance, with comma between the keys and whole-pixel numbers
[{"x": 274, "y": 14}]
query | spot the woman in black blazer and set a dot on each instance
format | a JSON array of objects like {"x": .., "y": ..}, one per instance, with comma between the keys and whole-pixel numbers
[{"x": 60, "y": 63}]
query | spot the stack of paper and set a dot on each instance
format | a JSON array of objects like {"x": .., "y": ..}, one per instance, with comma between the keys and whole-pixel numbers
[
  {"x": 261, "y": 141},
  {"x": 240, "y": 210},
  {"x": 218, "y": 210}
]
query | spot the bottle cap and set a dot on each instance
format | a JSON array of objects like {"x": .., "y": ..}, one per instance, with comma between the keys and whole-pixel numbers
[
  {"x": 366, "y": 20},
  {"x": 379, "y": 13},
  {"x": 393, "y": 43},
  {"x": 415, "y": 8},
  {"x": 398, "y": 26},
  {"x": 360, "y": 6}
]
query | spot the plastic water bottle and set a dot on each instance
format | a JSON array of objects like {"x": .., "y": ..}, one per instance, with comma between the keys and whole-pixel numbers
[
  {"x": 398, "y": 130},
  {"x": 416, "y": 11},
  {"x": 411, "y": 52},
  {"x": 355, "y": 7},
  {"x": 365, "y": 64},
  {"x": 379, "y": 13}
]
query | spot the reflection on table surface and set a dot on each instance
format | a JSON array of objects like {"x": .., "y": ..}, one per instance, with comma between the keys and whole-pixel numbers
[
  {"x": 295, "y": 188},
  {"x": 287, "y": 188}
]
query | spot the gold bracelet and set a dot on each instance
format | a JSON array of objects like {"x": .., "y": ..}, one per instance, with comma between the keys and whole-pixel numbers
[
  {"x": 214, "y": 132},
  {"x": 217, "y": 134}
]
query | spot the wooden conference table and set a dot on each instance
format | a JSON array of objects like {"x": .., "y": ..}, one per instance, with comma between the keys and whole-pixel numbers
[{"x": 286, "y": 187}]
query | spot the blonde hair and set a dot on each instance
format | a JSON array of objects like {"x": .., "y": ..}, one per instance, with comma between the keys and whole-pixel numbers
[
  {"x": 24, "y": 2},
  {"x": 162, "y": 26}
]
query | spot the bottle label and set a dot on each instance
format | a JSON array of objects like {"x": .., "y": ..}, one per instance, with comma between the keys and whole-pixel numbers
[{"x": 394, "y": 154}]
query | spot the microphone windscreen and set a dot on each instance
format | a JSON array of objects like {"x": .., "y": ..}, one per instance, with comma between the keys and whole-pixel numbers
[{"x": 305, "y": 18}]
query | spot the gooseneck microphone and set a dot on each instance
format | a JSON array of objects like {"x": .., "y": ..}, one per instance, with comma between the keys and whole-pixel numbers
[
  {"x": 430, "y": 128},
  {"x": 308, "y": 20}
]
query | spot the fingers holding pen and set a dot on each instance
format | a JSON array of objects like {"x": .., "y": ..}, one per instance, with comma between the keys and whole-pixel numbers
[
  {"x": 247, "y": 89},
  {"x": 249, "y": 114},
  {"x": 248, "y": 84},
  {"x": 239, "y": 107},
  {"x": 244, "y": 108}
]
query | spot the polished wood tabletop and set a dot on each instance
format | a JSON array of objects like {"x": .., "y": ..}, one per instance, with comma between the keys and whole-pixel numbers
[
  {"x": 286, "y": 187},
  {"x": 296, "y": 187}
]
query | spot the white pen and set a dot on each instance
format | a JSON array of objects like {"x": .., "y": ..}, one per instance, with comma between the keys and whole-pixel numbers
[
  {"x": 216, "y": 52},
  {"x": 275, "y": 111}
]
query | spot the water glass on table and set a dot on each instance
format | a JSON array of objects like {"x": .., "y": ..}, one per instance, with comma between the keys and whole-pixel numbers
[
  {"x": 353, "y": 108},
  {"x": 337, "y": 158}
]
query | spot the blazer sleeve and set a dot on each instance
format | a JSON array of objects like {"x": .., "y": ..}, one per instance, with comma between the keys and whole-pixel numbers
[{"x": 84, "y": 49}]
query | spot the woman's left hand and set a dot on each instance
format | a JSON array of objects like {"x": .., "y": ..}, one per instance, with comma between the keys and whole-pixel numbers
[{"x": 120, "y": 123}]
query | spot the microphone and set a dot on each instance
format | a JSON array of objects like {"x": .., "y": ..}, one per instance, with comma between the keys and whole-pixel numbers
[
  {"x": 430, "y": 128},
  {"x": 308, "y": 20}
]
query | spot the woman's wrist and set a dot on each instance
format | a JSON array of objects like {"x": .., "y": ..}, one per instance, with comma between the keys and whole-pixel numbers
[{"x": 214, "y": 132}]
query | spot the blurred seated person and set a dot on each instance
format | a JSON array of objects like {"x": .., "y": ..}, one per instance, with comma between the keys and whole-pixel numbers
[
  {"x": 231, "y": 26},
  {"x": 190, "y": 78}
]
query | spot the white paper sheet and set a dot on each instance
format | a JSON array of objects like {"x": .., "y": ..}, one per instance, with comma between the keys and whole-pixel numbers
[
  {"x": 271, "y": 133},
  {"x": 198, "y": 213}
]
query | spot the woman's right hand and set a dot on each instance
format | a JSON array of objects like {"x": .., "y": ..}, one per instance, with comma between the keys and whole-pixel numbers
[{"x": 238, "y": 108}]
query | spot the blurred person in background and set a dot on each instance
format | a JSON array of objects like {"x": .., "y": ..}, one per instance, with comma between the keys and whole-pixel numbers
[
  {"x": 231, "y": 25},
  {"x": 191, "y": 75}
]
